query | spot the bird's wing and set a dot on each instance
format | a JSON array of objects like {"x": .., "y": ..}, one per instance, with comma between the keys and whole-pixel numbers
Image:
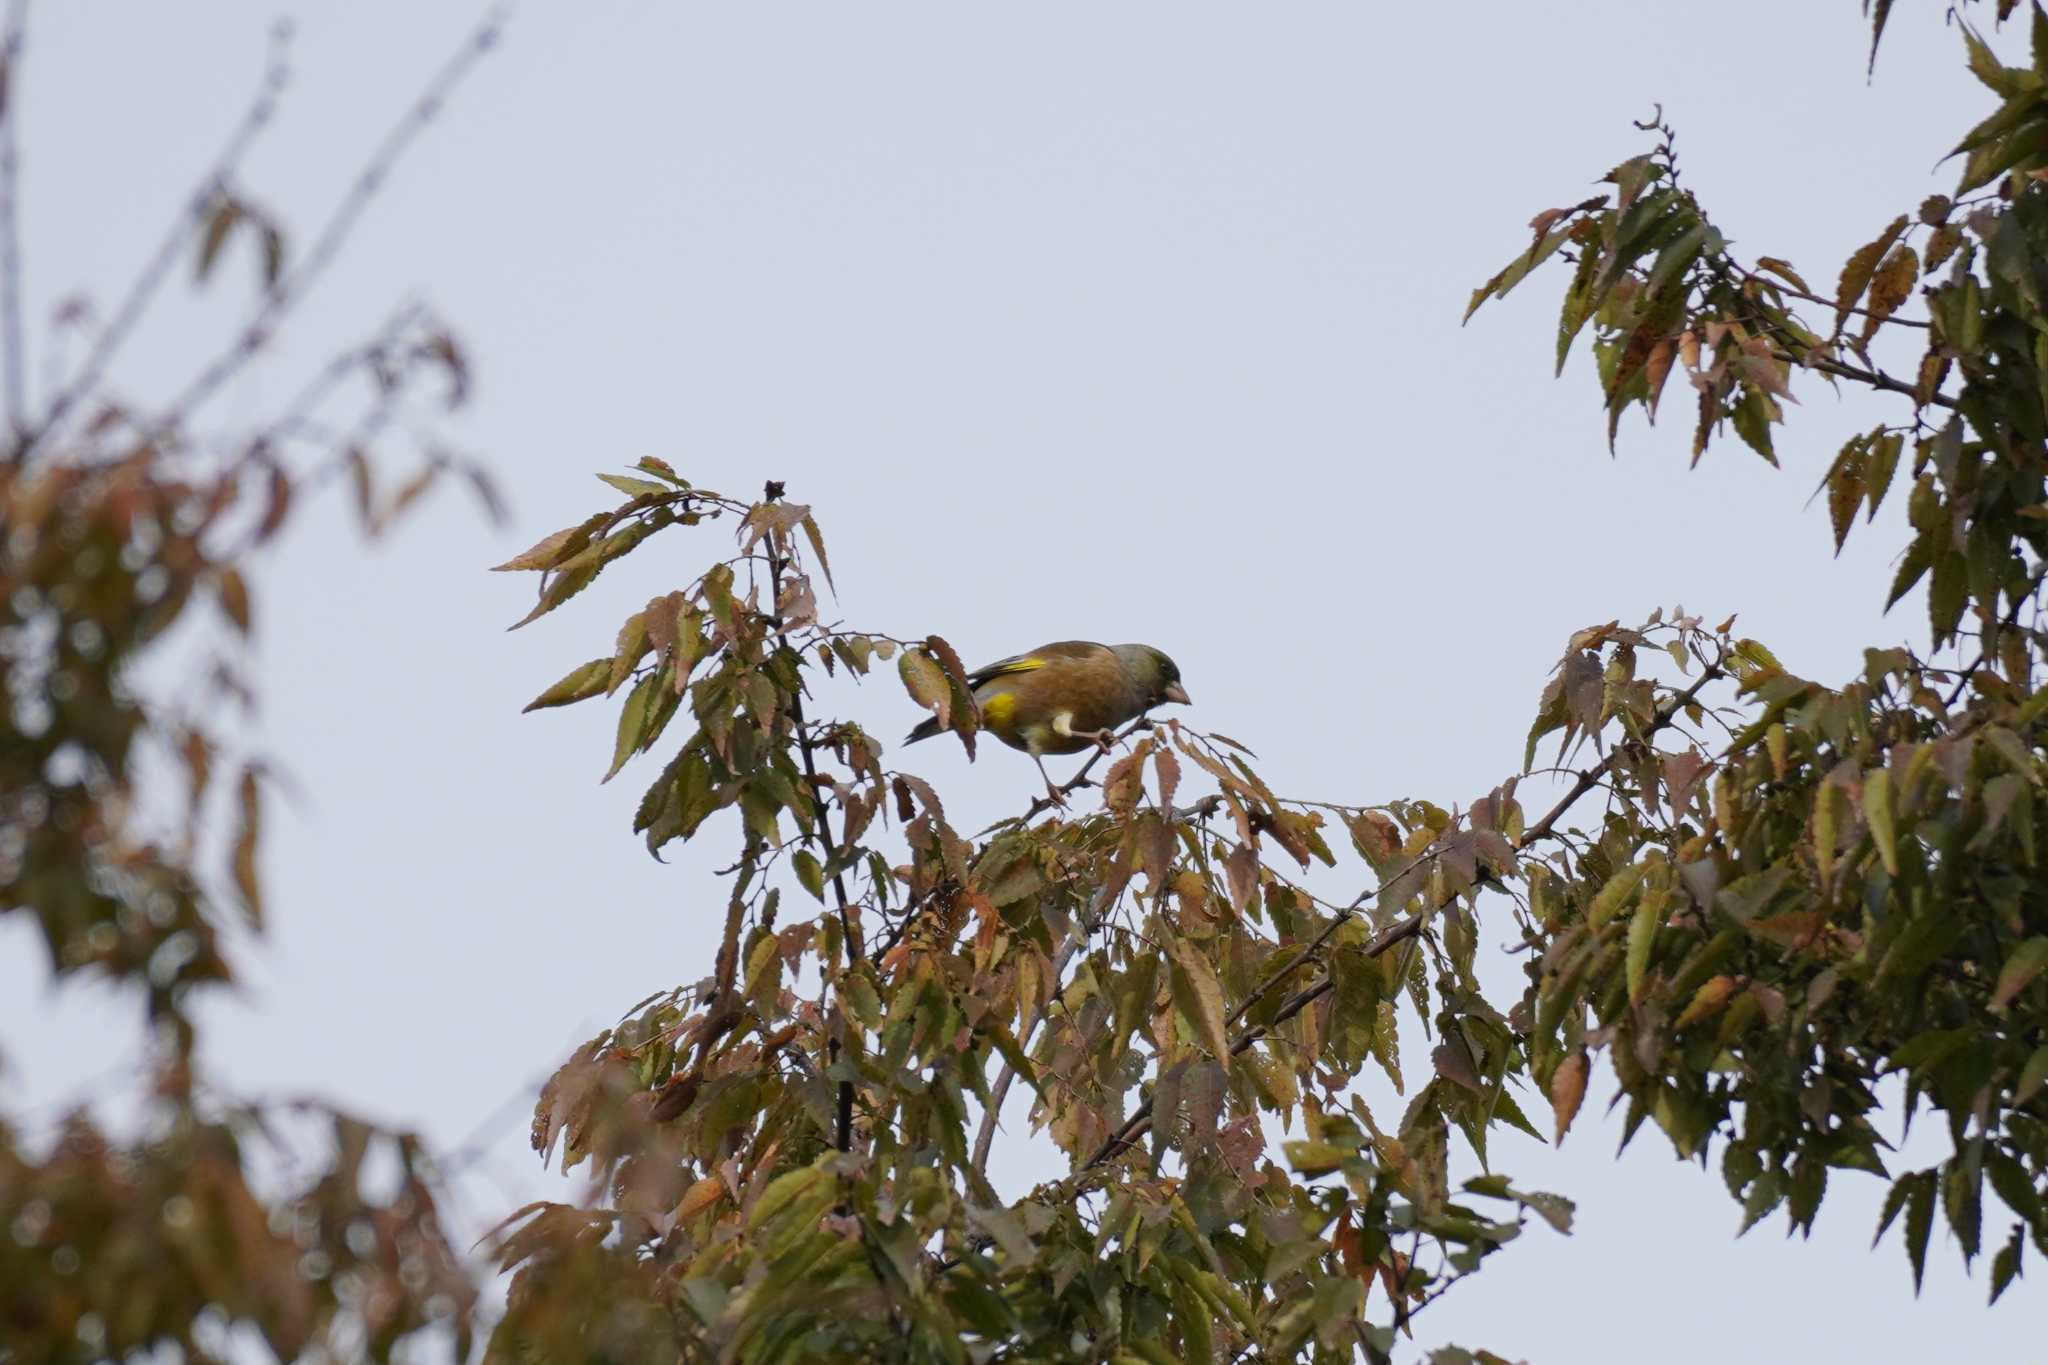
[{"x": 1059, "y": 651}]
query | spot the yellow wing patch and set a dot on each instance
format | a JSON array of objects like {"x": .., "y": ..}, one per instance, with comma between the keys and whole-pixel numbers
[{"x": 1023, "y": 663}]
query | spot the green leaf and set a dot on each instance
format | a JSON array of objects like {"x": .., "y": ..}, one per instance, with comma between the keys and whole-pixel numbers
[
  {"x": 1880, "y": 11},
  {"x": 580, "y": 683},
  {"x": 1642, "y": 937},
  {"x": 1610, "y": 898},
  {"x": 2032, "y": 1076},
  {"x": 635, "y": 488},
  {"x": 810, "y": 874},
  {"x": 2006, "y": 1265},
  {"x": 1845, "y": 489},
  {"x": 1877, "y": 813},
  {"x": 1879, "y": 465},
  {"x": 632, "y": 719},
  {"x": 2024, "y": 964},
  {"x": 1919, "y": 1222}
]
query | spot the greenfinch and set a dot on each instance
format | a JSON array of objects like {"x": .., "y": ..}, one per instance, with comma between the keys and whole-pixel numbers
[{"x": 1068, "y": 696}]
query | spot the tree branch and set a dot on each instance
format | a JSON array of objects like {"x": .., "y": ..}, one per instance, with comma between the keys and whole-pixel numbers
[
  {"x": 1080, "y": 779},
  {"x": 136, "y": 302},
  {"x": 821, "y": 835},
  {"x": 1876, "y": 379},
  {"x": 341, "y": 223},
  {"x": 1785, "y": 288},
  {"x": 1400, "y": 931}
]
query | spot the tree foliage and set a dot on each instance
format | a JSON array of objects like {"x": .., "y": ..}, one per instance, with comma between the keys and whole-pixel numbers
[
  {"x": 1766, "y": 901},
  {"x": 131, "y": 811},
  {"x": 1788, "y": 893},
  {"x": 1846, "y": 886}
]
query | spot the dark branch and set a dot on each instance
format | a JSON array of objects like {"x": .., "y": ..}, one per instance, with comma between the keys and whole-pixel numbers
[{"x": 821, "y": 834}]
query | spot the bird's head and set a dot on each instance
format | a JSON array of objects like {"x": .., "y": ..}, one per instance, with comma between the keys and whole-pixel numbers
[{"x": 1153, "y": 671}]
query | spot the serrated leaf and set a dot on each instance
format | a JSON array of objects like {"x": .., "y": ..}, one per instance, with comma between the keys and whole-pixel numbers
[
  {"x": 1919, "y": 1222},
  {"x": 2006, "y": 1265},
  {"x": 1891, "y": 286},
  {"x": 632, "y": 720},
  {"x": 1861, "y": 266},
  {"x": 1880, "y": 11},
  {"x": 1845, "y": 489},
  {"x": 579, "y": 683},
  {"x": 1199, "y": 996},
  {"x": 1783, "y": 271},
  {"x": 1881, "y": 460},
  {"x": 927, "y": 684},
  {"x": 817, "y": 539},
  {"x": 553, "y": 549}
]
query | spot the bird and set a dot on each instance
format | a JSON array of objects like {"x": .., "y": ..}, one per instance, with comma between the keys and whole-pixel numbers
[{"x": 1067, "y": 696}]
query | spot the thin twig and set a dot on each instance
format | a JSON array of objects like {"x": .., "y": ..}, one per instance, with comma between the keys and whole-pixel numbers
[
  {"x": 276, "y": 72},
  {"x": 1876, "y": 379},
  {"x": 1785, "y": 288},
  {"x": 10, "y": 221},
  {"x": 290, "y": 290},
  {"x": 2011, "y": 619},
  {"x": 985, "y": 1136}
]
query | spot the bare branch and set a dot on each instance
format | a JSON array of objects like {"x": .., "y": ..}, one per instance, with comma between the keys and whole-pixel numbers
[
  {"x": 290, "y": 290},
  {"x": 143, "y": 291}
]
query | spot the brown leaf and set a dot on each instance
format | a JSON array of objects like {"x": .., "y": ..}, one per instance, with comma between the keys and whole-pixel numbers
[
  {"x": 1168, "y": 769},
  {"x": 234, "y": 597},
  {"x": 926, "y": 682},
  {"x": 552, "y": 550},
  {"x": 220, "y": 221},
  {"x": 1123, "y": 784},
  {"x": 1241, "y": 872},
  {"x": 1568, "y": 1090},
  {"x": 1890, "y": 287},
  {"x": 1860, "y": 267},
  {"x": 249, "y": 800}
]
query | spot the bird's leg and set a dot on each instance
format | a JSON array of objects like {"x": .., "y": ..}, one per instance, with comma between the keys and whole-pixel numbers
[
  {"x": 1051, "y": 791},
  {"x": 1063, "y": 726}
]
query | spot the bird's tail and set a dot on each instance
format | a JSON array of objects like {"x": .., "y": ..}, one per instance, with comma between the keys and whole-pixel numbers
[{"x": 926, "y": 728}]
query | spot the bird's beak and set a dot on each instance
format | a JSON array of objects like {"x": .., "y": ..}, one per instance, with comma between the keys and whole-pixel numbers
[{"x": 1175, "y": 692}]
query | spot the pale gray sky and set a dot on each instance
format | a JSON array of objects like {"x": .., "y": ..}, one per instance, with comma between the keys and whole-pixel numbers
[{"x": 1122, "y": 322}]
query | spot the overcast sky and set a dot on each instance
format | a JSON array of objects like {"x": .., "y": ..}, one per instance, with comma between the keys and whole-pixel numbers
[{"x": 1133, "y": 321}]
